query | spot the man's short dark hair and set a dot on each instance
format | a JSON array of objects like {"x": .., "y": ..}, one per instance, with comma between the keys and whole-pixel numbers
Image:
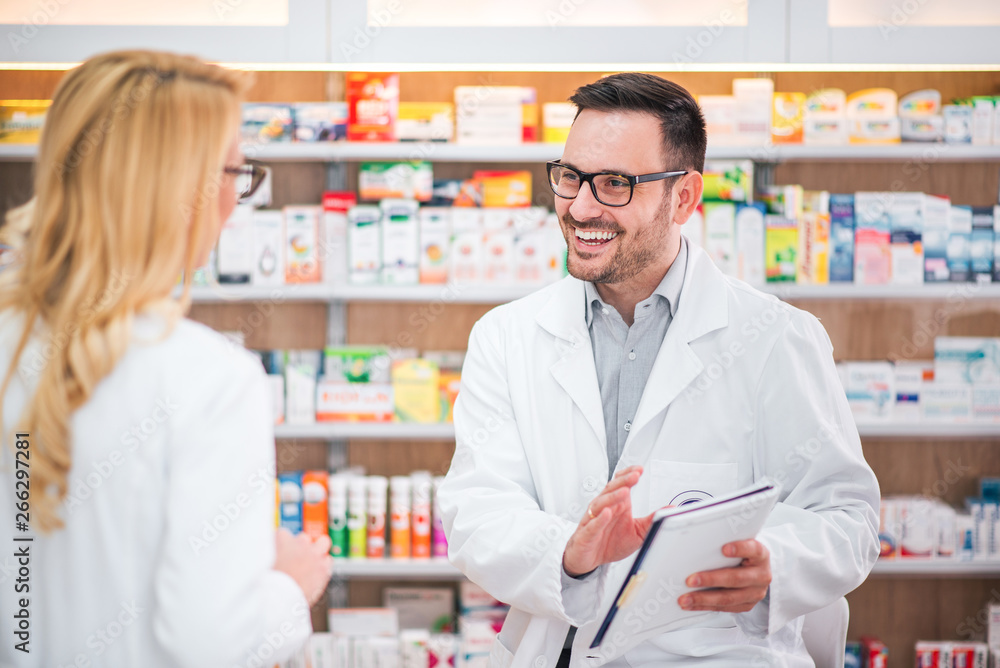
[{"x": 681, "y": 121}]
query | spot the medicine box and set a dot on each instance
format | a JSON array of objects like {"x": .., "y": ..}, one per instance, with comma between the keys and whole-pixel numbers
[
  {"x": 814, "y": 239},
  {"x": 754, "y": 100},
  {"x": 357, "y": 364},
  {"x": 266, "y": 123},
  {"x": 465, "y": 263},
  {"x": 946, "y": 401},
  {"x": 235, "y": 250},
  {"x": 781, "y": 246},
  {"x": 431, "y": 608},
  {"x": 959, "y": 243},
  {"x": 301, "y": 369},
  {"x": 935, "y": 238},
  {"x": 400, "y": 229},
  {"x": 290, "y": 495},
  {"x": 787, "y": 117},
  {"x": 21, "y": 120},
  {"x": 302, "y": 244},
  {"x": 372, "y": 105},
  {"x": 268, "y": 248},
  {"x": 364, "y": 244},
  {"x": 728, "y": 181},
  {"x": 910, "y": 380},
  {"x": 490, "y": 115},
  {"x": 409, "y": 179},
  {"x": 720, "y": 235},
  {"x": 719, "y": 112},
  {"x": 435, "y": 243},
  {"x": 319, "y": 121},
  {"x": 363, "y": 622},
  {"x": 905, "y": 238},
  {"x": 981, "y": 245},
  {"x": 557, "y": 119},
  {"x": 750, "y": 236},
  {"x": 960, "y": 359},
  {"x": 872, "y": 259},
  {"x": 333, "y": 250},
  {"x": 314, "y": 503},
  {"x": 957, "y": 124},
  {"x": 337, "y": 401},
  {"x": 871, "y": 390},
  {"x": 841, "y": 238},
  {"x": 425, "y": 121},
  {"x": 824, "y": 118},
  {"x": 416, "y": 391}
]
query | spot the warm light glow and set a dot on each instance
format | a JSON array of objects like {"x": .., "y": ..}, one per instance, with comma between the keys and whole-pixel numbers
[{"x": 569, "y": 67}]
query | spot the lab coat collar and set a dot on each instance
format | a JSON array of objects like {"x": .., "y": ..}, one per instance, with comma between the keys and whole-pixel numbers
[{"x": 703, "y": 308}]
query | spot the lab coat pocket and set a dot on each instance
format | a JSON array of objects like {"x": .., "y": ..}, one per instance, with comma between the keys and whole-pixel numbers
[
  {"x": 500, "y": 656},
  {"x": 681, "y": 483}
]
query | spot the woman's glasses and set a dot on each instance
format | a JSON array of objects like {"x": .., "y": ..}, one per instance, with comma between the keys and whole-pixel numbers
[{"x": 249, "y": 176}]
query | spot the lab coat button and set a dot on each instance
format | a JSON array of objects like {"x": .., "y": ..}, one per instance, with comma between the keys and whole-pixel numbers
[
  {"x": 590, "y": 484},
  {"x": 541, "y": 662},
  {"x": 631, "y": 356},
  {"x": 628, "y": 426}
]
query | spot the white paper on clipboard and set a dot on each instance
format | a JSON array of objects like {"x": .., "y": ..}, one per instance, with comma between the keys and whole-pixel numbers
[{"x": 681, "y": 541}]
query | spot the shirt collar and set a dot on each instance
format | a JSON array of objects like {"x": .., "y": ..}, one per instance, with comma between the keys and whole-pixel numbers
[{"x": 669, "y": 288}]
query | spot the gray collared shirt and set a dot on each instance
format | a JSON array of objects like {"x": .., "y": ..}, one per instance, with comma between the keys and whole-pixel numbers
[{"x": 624, "y": 355}]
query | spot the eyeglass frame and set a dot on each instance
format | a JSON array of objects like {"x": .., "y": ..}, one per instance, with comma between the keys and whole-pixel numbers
[
  {"x": 257, "y": 175},
  {"x": 588, "y": 177}
]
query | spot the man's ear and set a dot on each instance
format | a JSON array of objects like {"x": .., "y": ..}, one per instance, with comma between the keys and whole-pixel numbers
[{"x": 687, "y": 196}]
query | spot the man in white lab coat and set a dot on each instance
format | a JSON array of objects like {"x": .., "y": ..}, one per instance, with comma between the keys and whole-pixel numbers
[{"x": 647, "y": 378}]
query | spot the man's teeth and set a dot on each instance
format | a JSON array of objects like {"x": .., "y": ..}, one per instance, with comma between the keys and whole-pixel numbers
[{"x": 595, "y": 235}]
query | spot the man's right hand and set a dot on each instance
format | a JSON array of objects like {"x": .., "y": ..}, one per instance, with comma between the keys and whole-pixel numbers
[{"x": 607, "y": 532}]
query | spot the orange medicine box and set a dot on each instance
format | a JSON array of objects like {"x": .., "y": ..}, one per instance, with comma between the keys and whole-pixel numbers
[{"x": 314, "y": 506}]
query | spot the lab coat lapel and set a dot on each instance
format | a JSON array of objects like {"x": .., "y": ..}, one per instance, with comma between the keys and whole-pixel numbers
[
  {"x": 703, "y": 308},
  {"x": 564, "y": 317}
]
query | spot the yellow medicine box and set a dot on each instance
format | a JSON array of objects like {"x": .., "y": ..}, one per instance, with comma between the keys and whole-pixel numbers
[{"x": 21, "y": 120}]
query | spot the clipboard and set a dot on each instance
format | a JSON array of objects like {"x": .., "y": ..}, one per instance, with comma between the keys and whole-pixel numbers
[{"x": 682, "y": 541}]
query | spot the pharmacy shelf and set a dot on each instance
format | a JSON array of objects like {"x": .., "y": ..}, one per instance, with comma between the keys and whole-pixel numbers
[
  {"x": 485, "y": 294},
  {"x": 928, "y": 429},
  {"x": 540, "y": 152},
  {"x": 446, "y": 431},
  {"x": 436, "y": 568},
  {"x": 937, "y": 568},
  {"x": 404, "y": 431}
]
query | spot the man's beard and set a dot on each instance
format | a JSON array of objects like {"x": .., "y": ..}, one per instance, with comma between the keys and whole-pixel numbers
[{"x": 635, "y": 252}]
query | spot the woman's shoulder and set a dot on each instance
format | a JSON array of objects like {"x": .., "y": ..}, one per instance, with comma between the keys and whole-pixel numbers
[{"x": 191, "y": 348}]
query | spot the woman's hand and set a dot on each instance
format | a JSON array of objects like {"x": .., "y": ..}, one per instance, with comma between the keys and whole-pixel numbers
[{"x": 308, "y": 562}]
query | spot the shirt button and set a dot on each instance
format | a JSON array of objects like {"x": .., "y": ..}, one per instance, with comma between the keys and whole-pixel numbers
[
  {"x": 590, "y": 484},
  {"x": 604, "y": 311},
  {"x": 628, "y": 426},
  {"x": 631, "y": 355}
]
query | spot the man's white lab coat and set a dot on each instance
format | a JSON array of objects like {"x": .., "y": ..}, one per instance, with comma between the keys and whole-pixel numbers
[{"x": 744, "y": 386}]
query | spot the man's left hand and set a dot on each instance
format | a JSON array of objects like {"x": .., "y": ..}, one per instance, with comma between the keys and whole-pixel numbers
[{"x": 736, "y": 589}]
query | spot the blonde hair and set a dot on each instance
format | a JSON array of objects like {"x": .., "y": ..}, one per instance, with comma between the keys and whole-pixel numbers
[{"x": 125, "y": 198}]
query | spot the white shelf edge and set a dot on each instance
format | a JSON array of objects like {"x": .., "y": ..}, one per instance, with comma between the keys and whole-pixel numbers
[
  {"x": 437, "y": 568},
  {"x": 499, "y": 294},
  {"x": 537, "y": 152},
  {"x": 446, "y": 430},
  {"x": 937, "y": 568}
]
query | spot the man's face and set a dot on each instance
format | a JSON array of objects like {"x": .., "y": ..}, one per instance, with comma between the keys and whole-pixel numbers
[{"x": 628, "y": 143}]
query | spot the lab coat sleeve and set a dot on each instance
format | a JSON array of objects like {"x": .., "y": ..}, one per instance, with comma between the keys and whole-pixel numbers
[
  {"x": 218, "y": 602},
  {"x": 823, "y": 533},
  {"x": 497, "y": 533}
]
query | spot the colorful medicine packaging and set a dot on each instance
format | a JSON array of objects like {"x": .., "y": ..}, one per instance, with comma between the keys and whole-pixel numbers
[
  {"x": 319, "y": 121},
  {"x": 21, "y": 120},
  {"x": 824, "y": 118},
  {"x": 872, "y": 258},
  {"x": 372, "y": 106},
  {"x": 400, "y": 229},
  {"x": 872, "y": 116},
  {"x": 302, "y": 261},
  {"x": 266, "y": 123},
  {"x": 787, "y": 118},
  {"x": 315, "y": 512},
  {"x": 364, "y": 244},
  {"x": 290, "y": 497},
  {"x": 425, "y": 121}
]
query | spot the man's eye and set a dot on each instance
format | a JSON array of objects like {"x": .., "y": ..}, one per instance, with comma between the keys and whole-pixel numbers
[{"x": 617, "y": 183}]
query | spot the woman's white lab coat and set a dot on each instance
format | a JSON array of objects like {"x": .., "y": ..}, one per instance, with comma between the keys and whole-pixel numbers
[
  {"x": 744, "y": 386},
  {"x": 167, "y": 554}
]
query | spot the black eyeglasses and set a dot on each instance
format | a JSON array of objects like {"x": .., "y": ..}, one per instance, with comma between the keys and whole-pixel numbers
[
  {"x": 249, "y": 176},
  {"x": 609, "y": 189}
]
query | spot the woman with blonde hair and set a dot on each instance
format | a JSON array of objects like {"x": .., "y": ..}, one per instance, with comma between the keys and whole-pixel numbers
[{"x": 137, "y": 465}]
